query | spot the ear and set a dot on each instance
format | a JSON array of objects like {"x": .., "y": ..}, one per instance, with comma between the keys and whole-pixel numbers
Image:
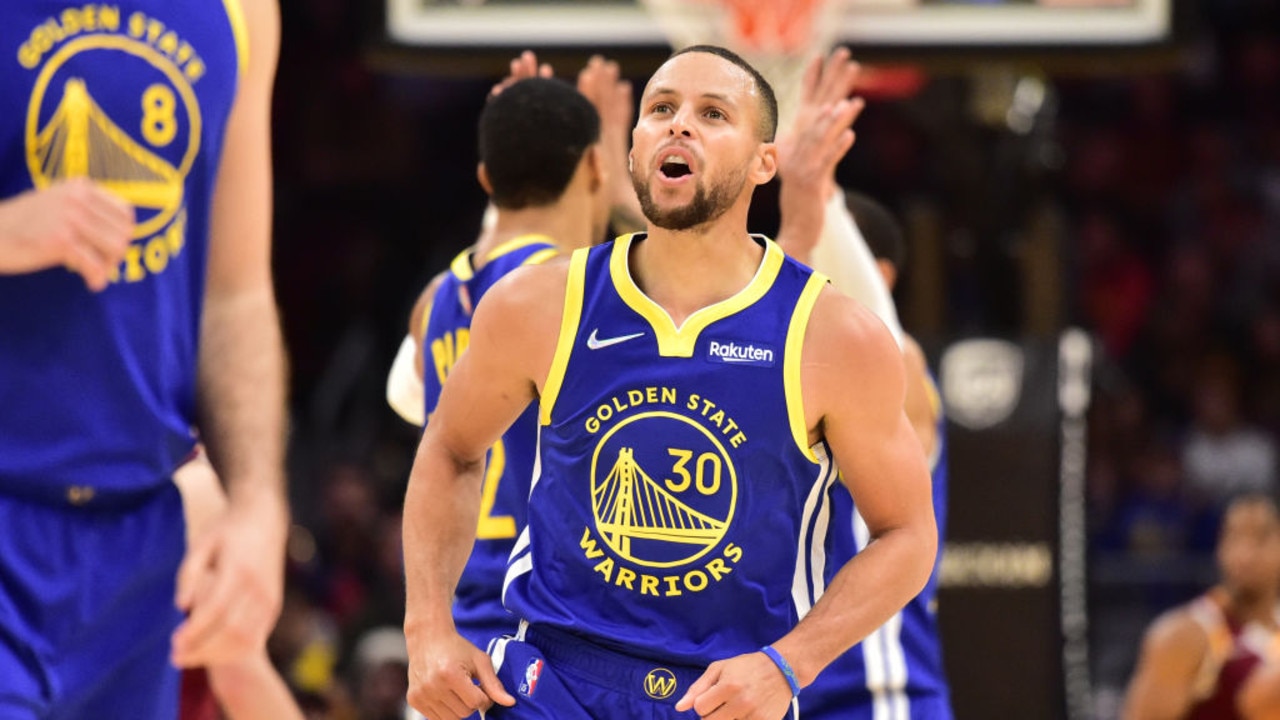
[
  {"x": 766, "y": 165},
  {"x": 593, "y": 165},
  {"x": 482, "y": 174}
]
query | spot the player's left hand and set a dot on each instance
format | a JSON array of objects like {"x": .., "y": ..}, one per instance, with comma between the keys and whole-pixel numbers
[
  {"x": 601, "y": 82},
  {"x": 231, "y": 584},
  {"x": 809, "y": 151},
  {"x": 746, "y": 687}
]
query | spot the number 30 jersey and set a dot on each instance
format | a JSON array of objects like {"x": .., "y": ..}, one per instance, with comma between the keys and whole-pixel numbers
[
  {"x": 678, "y": 512},
  {"x": 477, "y": 608}
]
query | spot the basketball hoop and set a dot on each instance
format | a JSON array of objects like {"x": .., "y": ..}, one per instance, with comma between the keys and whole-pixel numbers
[
  {"x": 782, "y": 27},
  {"x": 778, "y": 37}
]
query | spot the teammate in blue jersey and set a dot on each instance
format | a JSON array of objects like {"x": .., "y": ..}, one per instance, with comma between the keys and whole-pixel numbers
[
  {"x": 694, "y": 389},
  {"x": 137, "y": 304},
  {"x": 896, "y": 673},
  {"x": 541, "y": 164}
]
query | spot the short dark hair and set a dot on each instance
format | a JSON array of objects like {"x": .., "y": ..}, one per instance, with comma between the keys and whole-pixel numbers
[
  {"x": 768, "y": 101},
  {"x": 881, "y": 231},
  {"x": 532, "y": 137}
]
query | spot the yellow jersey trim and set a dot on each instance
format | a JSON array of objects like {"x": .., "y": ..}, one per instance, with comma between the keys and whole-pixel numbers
[
  {"x": 679, "y": 341},
  {"x": 541, "y": 256},
  {"x": 240, "y": 29},
  {"x": 461, "y": 265},
  {"x": 516, "y": 243},
  {"x": 935, "y": 397},
  {"x": 573, "y": 293},
  {"x": 791, "y": 363}
]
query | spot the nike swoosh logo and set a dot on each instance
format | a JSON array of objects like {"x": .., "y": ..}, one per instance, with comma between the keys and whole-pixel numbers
[{"x": 596, "y": 343}]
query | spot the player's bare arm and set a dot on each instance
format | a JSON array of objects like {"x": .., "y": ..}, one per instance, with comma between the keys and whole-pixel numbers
[
  {"x": 853, "y": 389},
  {"x": 1172, "y": 651},
  {"x": 1259, "y": 699},
  {"x": 513, "y": 338},
  {"x": 250, "y": 688},
  {"x": 810, "y": 149},
  {"x": 922, "y": 409},
  {"x": 74, "y": 223},
  {"x": 231, "y": 582}
]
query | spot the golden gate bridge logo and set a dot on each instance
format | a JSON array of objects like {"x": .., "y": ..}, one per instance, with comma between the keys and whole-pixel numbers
[
  {"x": 141, "y": 153},
  {"x": 631, "y": 505},
  {"x": 81, "y": 141}
]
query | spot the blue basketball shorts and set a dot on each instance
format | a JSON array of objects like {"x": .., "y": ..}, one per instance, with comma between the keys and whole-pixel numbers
[
  {"x": 556, "y": 676},
  {"x": 86, "y": 605}
]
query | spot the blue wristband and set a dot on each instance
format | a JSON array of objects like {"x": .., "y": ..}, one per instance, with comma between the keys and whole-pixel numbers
[{"x": 784, "y": 666}]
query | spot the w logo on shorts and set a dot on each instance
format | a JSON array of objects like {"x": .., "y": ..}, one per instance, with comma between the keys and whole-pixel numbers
[
  {"x": 660, "y": 683},
  {"x": 531, "y": 673}
]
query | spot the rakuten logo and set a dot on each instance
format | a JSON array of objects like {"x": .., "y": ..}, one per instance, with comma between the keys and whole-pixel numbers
[{"x": 732, "y": 352}]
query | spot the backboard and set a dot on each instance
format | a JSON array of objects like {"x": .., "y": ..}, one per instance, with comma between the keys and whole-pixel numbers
[{"x": 957, "y": 24}]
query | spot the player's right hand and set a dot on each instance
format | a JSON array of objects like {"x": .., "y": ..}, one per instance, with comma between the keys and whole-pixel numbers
[
  {"x": 822, "y": 131},
  {"x": 521, "y": 68},
  {"x": 444, "y": 670},
  {"x": 74, "y": 223}
]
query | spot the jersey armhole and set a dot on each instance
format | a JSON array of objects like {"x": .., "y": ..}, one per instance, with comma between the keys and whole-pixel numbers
[
  {"x": 791, "y": 363},
  {"x": 569, "y": 320}
]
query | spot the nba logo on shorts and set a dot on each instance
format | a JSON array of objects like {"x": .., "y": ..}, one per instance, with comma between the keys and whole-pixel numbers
[{"x": 531, "y": 673}]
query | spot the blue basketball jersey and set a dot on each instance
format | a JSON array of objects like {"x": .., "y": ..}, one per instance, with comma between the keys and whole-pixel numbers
[
  {"x": 676, "y": 500},
  {"x": 895, "y": 673},
  {"x": 98, "y": 389},
  {"x": 477, "y": 610}
]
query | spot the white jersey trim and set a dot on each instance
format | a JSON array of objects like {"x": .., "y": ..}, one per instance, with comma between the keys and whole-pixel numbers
[
  {"x": 882, "y": 654},
  {"x": 811, "y": 552}
]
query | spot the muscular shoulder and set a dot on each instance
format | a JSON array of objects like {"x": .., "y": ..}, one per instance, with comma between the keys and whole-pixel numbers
[
  {"x": 849, "y": 353},
  {"x": 529, "y": 293},
  {"x": 519, "y": 318},
  {"x": 1176, "y": 633}
]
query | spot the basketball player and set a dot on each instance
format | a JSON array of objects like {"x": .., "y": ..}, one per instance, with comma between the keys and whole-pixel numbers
[
  {"x": 694, "y": 386},
  {"x": 541, "y": 164},
  {"x": 600, "y": 83},
  {"x": 134, "y": 154},
  {"x": 896, "y": 673},
  {"x": 1195, "y": 659}
]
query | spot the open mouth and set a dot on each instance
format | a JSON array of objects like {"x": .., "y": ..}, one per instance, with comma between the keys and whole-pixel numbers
[{"x": 674, "y": 168}]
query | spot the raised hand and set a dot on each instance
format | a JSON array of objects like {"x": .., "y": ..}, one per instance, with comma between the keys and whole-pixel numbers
[
  {"x": 810, "y": 150},
  {"x": 600, "y": 82},
  {"x": 75, "y": 223},
  {"x": 525, "y": 66}
]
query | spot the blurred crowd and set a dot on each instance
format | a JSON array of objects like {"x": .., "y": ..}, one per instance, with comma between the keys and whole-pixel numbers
[{"x": 1154, "y": 195}]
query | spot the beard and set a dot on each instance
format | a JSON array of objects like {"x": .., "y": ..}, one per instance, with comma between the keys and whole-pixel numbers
[{"x": 706, "y": 205}]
